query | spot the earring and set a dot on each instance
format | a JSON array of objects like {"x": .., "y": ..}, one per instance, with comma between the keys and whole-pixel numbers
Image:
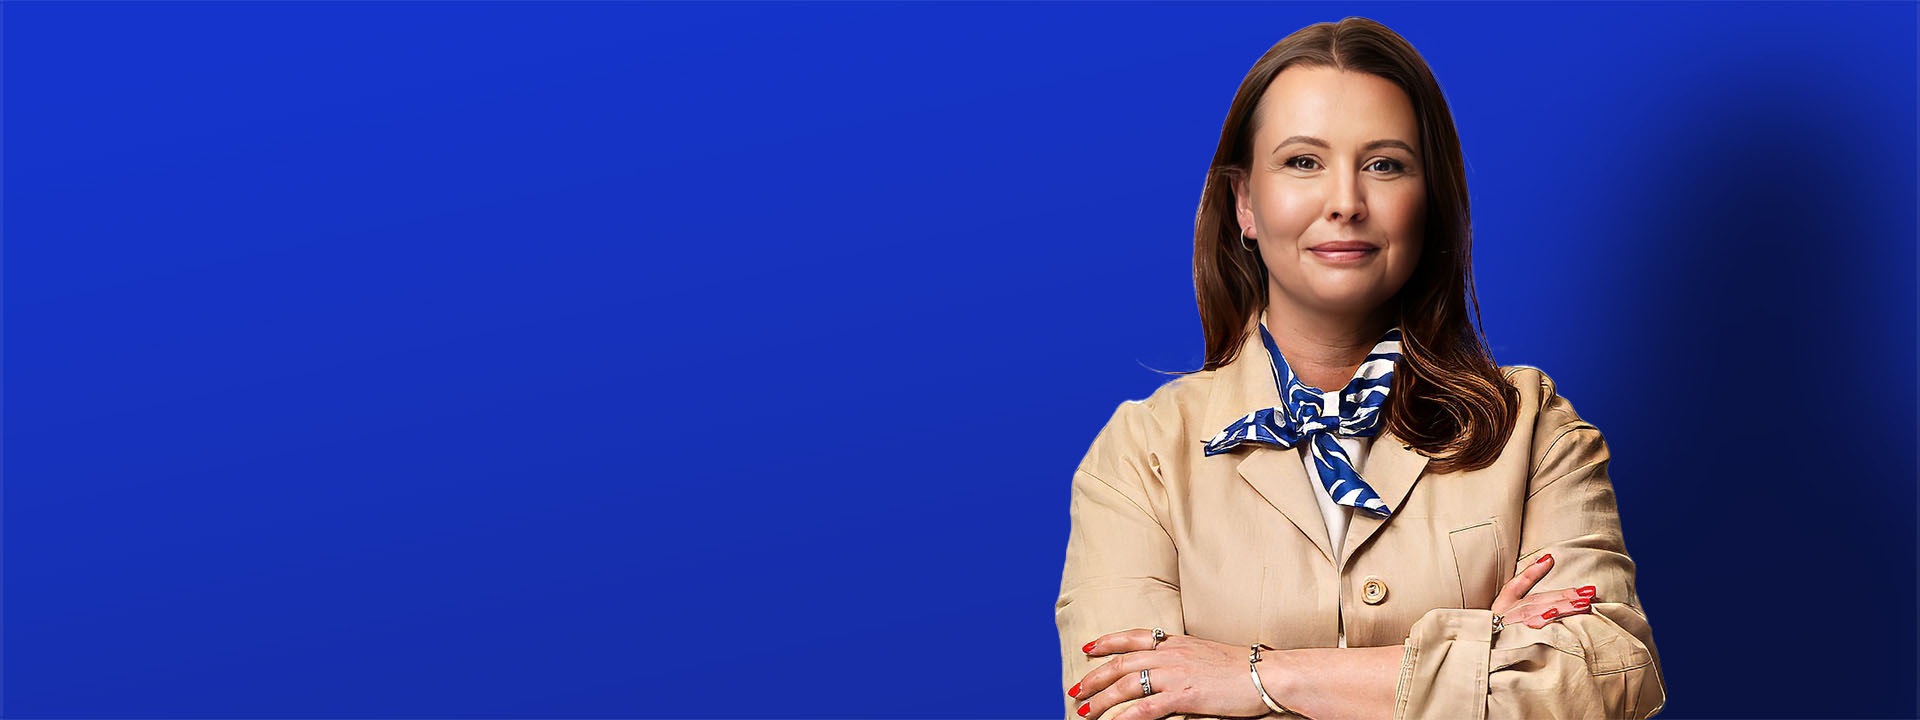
[{"x": 1243, "y": 240}]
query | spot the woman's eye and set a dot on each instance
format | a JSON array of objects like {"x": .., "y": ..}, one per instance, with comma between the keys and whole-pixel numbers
[{"x": 1303, "y": 162}]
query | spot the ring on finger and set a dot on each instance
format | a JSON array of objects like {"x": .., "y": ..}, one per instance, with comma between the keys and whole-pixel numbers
[
  {"x": 1146, "y": 686},
  {"x": 1158, "y": 637}
]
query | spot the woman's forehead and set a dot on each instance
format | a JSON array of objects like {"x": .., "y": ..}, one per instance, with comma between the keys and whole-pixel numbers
[{"x": 1344, "y": 108}]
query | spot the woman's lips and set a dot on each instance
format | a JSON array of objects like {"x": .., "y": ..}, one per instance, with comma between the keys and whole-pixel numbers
[{"x": 1344, "y": 256}]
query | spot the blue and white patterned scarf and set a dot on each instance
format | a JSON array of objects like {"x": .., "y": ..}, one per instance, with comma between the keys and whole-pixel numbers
[{"x": 1307, "y": 414}]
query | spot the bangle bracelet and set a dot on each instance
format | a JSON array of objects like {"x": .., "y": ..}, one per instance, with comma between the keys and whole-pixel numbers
[{"x": 1255, "y": 671}]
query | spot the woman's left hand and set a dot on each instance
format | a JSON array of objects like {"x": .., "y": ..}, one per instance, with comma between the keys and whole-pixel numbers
[
  {"x": 1514, "y": 605},
  {"x": 1188, "y": 674}
]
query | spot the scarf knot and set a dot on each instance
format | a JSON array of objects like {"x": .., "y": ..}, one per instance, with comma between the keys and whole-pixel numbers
[{"x": 1315, "y": 418}]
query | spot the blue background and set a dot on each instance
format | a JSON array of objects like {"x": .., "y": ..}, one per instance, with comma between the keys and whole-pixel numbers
[{"x": 732, "y": 359}]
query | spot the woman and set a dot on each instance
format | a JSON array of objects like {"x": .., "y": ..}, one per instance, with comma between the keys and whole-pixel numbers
[{"x": 1349, "y": 511}]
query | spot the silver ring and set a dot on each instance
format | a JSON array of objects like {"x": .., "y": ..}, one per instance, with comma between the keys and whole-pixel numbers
[
  {"x": 1146, "y": 687},
  {"x": 1159, "y": 636},
  {"x": 1498, "y": 622}
]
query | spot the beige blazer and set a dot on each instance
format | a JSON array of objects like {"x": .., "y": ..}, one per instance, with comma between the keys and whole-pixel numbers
[{"x": 1233, "y": 548}]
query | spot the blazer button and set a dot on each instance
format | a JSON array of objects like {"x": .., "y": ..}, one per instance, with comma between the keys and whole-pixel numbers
[{"x": 1374, "y": 591}]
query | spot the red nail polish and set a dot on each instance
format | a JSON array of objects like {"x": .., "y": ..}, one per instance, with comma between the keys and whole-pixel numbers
[
  {"x": 1087, "y": 648},
  {"x": 1586, "y": 592},
  {"x": 1084, "y": 707},
  {"x": 1550, "y": 613},
  {"x": 1581, "y": 603},
  {"x": 1544, "y": 558},
  {"x": 1075, "y": 692}
]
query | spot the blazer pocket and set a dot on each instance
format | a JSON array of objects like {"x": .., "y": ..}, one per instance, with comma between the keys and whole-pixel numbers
[{"x": 1478, "y": 554}]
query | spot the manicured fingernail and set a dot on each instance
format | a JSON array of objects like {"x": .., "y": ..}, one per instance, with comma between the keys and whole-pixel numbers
[
  {"x": 1544, "y": 558},
  {"x": 1581, "y": 603},
  {"x": 1087, "y": 648},
  {"x": 1075, "y": 692},
  {"x": 1585, "y": 592},
  {"x": 1550, "y": 613},
  {"x": 1084, "y": 707}
]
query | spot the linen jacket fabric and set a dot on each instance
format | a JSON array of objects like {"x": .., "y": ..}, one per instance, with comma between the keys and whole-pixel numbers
[{"x": 1233, "y": 548}]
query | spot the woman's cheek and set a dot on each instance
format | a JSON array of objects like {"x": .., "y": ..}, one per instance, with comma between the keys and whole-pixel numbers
[{"x": 1290, "y": 214}]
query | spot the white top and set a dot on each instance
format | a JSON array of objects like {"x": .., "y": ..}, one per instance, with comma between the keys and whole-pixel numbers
[{"x": 1335, "y": 514}]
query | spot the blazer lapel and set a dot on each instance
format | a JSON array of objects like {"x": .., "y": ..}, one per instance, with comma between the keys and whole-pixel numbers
[
  {"x": 1280, "y": 475},
  {"x": 1391, "y": 469}
]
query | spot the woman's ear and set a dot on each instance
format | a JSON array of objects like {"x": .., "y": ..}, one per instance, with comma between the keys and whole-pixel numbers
[{"x": 1242, "y": 207}]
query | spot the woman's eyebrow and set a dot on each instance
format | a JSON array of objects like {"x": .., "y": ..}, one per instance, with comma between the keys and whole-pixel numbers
[{"x": 1310, "y": 140}]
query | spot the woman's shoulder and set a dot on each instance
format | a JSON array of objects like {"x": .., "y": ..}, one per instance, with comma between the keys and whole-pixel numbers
[
  {"x": 1540, "y": 394},
  {"x": 1548, "y": 415},
  {"x": 1143, "y": 424},
  {"x": 1182, "y": 395}
]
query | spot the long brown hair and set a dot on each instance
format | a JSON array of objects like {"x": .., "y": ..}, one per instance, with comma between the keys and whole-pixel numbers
[{"x": 1449, "y": 399}]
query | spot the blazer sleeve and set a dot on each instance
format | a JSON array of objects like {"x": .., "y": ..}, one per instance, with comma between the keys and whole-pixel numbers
[
  {"x": 1122, "y": 569},
  {"x": 1587, "y": 665}
]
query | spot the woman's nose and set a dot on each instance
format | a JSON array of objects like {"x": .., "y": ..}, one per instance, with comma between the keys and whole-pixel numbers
[{"x": 1345, "y": 201}]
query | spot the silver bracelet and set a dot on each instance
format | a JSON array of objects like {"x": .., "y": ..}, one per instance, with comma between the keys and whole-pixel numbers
[{"x": 1255, "y": 671}]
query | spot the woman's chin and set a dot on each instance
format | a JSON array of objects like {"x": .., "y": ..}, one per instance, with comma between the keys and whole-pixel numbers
[{"x": 1355, "y": 303}]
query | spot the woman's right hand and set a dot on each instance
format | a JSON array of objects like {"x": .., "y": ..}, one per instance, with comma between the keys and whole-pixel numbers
[{"x": 1514, "y": 604}]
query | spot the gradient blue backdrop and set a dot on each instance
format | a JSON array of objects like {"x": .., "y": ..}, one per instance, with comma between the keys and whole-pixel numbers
[{"x": 731, "y": 360}]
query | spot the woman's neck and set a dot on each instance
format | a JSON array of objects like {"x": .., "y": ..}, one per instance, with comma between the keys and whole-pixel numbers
[{"x": 1325, "y": 351}]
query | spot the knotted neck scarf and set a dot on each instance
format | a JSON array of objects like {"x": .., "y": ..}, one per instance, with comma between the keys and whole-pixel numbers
[{"x": 1309, "y": 415}]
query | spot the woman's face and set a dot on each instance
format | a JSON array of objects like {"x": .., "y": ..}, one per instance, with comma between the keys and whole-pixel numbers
[{"x": 1336, "y": 160}]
